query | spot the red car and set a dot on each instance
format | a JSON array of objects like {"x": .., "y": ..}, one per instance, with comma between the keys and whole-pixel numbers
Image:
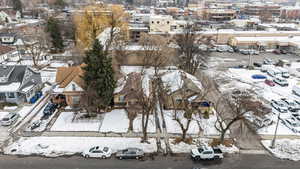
[{"x": 269, "y": 82}]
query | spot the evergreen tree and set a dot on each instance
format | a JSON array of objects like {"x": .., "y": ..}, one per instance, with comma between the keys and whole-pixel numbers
[
  {"x": 99, "y": 78},
  {"x": 60, "y": 4},
  {"x": 17, "y": 5},
  {"x": 53, "y": 29}
]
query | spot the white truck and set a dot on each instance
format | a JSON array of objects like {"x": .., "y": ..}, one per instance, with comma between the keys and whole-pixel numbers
[{"x": 206, "y": 153}]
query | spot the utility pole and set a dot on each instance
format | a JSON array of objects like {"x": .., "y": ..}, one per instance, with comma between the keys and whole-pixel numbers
[{"x": 275, "y": 134}]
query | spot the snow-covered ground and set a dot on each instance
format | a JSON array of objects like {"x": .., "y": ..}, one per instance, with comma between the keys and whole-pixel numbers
[
  {"x": 115, "y": 121},
  {"x": 284, "y": 148},
  {"x": 58, "y": 146},
  {"x": 67, "y": 122}
]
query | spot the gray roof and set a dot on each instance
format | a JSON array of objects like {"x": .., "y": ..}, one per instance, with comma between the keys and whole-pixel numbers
[
  {"x": 5, "y": 70},
  {"x": 19, "y": 75}
]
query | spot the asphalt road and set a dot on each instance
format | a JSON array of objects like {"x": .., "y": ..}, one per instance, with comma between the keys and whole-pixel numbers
[{"x": 241, "y": 161}]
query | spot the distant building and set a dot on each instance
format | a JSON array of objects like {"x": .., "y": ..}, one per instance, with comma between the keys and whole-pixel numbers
[
  {"x": 166, "y": 24},
  {"x": 266, "y": 12},
  {"x": 6, "y": 52},
  {"x": 219, "y": 14},
  {"x": 290, "y": 12}
]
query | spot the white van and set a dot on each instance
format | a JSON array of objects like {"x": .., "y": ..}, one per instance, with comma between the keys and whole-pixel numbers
[
  {"x": 296, "y": 89},
  {"x": 273, "y": 72},
  {"x": 284, "y": 72}
]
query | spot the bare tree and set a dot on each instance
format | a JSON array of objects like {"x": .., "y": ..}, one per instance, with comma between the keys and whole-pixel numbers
[
  {"x": 189, "y": 52},
  {"x": 233, "y": 103},
  {"x": 155, "y": 53},
  {"x": 38, "y": 48},
  {"x": 184, "y": 109}
]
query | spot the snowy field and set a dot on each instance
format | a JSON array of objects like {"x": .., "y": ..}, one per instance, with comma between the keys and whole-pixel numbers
[
  {"x": 115, "y": 121},
  {"x": 58, "y": 146},
  {"x": 67, "y": 122},
  {"x": 284, "y": 148}
]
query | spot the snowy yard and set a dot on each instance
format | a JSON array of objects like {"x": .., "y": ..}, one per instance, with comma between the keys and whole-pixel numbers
[
  {"x": 67, "y": 122},
  {"x": 284, "y": 148},
  {"x": 115, "y": 121}
]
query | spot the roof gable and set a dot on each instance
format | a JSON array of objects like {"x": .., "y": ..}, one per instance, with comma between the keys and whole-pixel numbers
[{"x": 65, "y": 75}]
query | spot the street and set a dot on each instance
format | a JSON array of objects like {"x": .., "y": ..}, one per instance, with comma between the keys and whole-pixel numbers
[{"x": 238, "y": 161}]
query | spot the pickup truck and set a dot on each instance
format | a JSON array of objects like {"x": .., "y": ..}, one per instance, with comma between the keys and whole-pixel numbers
[{"x": 206, "y": 153}]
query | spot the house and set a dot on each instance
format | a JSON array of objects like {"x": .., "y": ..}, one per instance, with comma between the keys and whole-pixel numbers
[
  {"x": 18, "y": 83},
  {"x": 129, "y": 91},
  {"x": 6, "y": 52},
  {"x": 70, "y": 84},
  {"x": 183, "y": 88}
]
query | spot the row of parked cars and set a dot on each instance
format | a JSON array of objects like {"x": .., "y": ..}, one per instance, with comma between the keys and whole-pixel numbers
[
  {"x": 291, "y": 111},
  {"x": 201, "y": 153},
  {"x": 106, "y": 152}
]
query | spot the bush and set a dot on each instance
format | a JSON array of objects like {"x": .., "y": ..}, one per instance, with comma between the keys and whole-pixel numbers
[
  {"x": 188, "y": 140},
  {"x": 217, "y": 141},
  {"x": 2, "y": 105},
  {"x": 206, "y": 115}
]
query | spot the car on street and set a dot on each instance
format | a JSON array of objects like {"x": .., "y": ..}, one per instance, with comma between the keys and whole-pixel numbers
[
  {"x": 130, "y": 153},
  {"x": 9, "y": 119},
  {"x": 279, "y": 105},
  {"x": 206, "y": 153},
  {"x": 269, "y": 82},
  {"x": 97, "y": 152},
  {"x": 282, "y": 82}
]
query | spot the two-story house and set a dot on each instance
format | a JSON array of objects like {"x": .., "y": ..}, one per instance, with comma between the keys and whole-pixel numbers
[
  {"x": 70, "y": 84},
  {"x": 18, "y": 83}
]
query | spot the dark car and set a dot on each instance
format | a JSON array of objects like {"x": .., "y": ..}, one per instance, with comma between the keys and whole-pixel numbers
[
  {"x": 277, "y": 51},
  {"x": 130, "y": 153},
  {"x": 283, "y": 51},
  {"x": 50, "y": 109},
  {"x": 256, "y": 64}
]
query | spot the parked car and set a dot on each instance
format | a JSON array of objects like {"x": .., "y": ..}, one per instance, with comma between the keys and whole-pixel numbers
[
  {"x": 35, "y": 124},
  {"x": 279, "y": 105},
  {"x": 290, "y": 104},
  {"x": 50, "y": 109},
  {"x": 9, "y": 119},
  {"x": 282, "y": 51},
  {"x": 292, "y": 124},
  {"x": 269, "y": 82},
  {"x": 267, "y": 61},
  {"x": 97, "y": 152},
  {"x": 277, "y": 51},
  {"x": 257, "y": 64},
  {"x": 206, "y": 153},
  {"x": 281, "y": 81},
  {"x": 130, "y": 153},
  {"x": 296, "y": 90}
]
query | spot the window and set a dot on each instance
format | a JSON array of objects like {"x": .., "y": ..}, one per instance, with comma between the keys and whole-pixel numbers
[
  {"x": 168, "y": 22},
  {"x": 76, "y": 100},
  {"x": 11, "y": 95},
  {"x": 157, "y": 22},
  {"x": 73, "y": 87},
  {"x": 122, "y": 98}
]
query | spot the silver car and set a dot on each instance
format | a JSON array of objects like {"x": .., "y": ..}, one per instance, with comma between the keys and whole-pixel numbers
[
  {"x": 9, "y": 119},
  {"x": 130, "y": 153}
]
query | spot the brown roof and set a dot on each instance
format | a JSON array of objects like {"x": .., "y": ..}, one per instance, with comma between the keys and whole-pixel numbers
[
  {"x": 5, "y": 49},
  {"x": 65, "y": 75}
]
